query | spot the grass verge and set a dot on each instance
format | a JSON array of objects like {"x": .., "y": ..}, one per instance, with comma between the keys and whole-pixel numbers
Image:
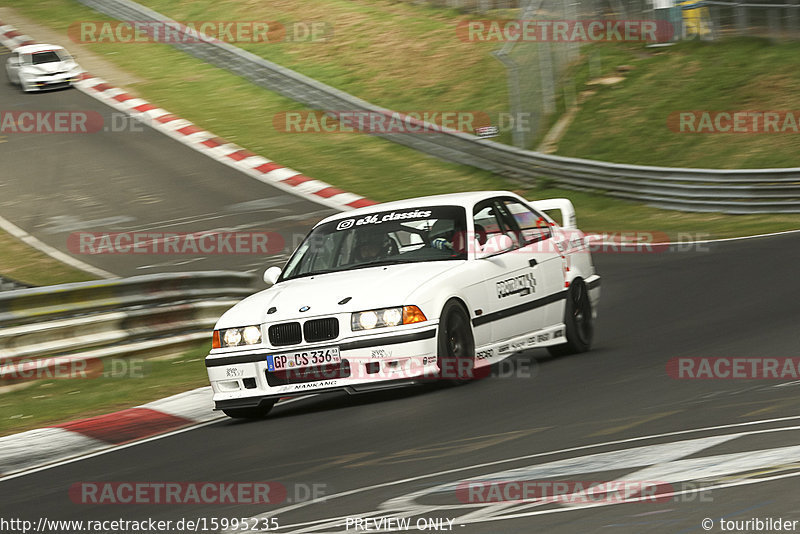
[
  {"x": 26, "y": 264},
  {"x": 47, "y": 402},
  {"x": 628, "y": 122}
]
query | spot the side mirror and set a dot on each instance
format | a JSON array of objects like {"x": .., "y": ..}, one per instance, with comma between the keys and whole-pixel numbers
[
  {"x": 496, "y": 244},
  {"x": 271, "y": 275},
  {"x": 13, "y": 62}
]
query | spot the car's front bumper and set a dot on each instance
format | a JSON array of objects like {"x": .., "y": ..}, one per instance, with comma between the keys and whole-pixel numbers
[
  {"x": 241, "y": 379},
  {"x": 47, "y": 83}
]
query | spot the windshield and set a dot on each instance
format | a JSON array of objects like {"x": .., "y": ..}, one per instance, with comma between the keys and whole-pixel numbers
[
  {"x": 48, "y": 56},
  {"x": 385, "y": 238}
]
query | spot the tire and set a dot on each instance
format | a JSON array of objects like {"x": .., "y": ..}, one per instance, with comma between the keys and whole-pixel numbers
[
  {"x": 257, "y": 412},
  {"x": 578, "y": 320},
  {"x": 455, "y": 345}
]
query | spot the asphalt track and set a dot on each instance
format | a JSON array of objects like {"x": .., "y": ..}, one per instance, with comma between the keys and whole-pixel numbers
[
  {"x": 132, "y": 179},
  {"x": 734, "y": 299},
  {"x": 612, "y": 414}
]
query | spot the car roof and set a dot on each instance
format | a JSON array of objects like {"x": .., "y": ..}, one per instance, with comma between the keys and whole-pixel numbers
[
  {"x": 468, "y": 200},
  {"x": 30, "y": 49}
]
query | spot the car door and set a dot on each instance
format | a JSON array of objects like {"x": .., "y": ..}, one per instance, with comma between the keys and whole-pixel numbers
[
  {"x": 517, "y": 279},
  {"x": 537, "y": 243}
]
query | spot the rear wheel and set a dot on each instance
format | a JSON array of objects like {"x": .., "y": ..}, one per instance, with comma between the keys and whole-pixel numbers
[
  {"x": 456, "y": 345},
  {"x": 578, "y": 321},
  {"x": 256, "y": 412}
]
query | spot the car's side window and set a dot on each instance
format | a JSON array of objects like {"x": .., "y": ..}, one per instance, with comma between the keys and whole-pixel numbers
[
  {"x": 486, "y": 222},
  {"x": 532, "y": 226},
  {"x": 507, "y": 220},
  {"x": 489, "y": 222}
]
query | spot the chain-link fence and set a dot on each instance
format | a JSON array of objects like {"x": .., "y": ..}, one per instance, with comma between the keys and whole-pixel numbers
[
  {"x": 773, "y": 19},
  {"x": 471, "y": 6},
  {"x": 537, "y": 66}
]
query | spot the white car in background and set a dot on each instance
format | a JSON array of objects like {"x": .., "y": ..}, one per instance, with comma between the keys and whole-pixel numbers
[
  {"x": 40, "y": 67},
  {"x": 397, "y": 293}
]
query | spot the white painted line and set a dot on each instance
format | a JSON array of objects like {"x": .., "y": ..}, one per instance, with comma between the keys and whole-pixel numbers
[
  {"x": 28, "y": 239},
  {"x": 682, "y": 243},
  {"x": 363, "y": 489},
  {"x": 111, "y": 448},
  {"x": 500, "y": 511},
  {"x": 31, "y": 448},
  {"x": 645, "y": 455},
  {"x": 649, "y": 498},
  {"x": 757, "y": 236}
]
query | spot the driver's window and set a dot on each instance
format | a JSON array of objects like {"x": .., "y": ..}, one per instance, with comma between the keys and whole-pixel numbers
[{"x": 488, "y": 223}]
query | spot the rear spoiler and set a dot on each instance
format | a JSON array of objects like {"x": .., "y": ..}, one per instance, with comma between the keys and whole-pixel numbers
[{"x": 563, "y": 205}]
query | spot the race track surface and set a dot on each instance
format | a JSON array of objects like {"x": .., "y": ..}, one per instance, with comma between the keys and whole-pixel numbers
[
  {"x": 403, "y": 453},
  {"x": 130, "y": 178}
]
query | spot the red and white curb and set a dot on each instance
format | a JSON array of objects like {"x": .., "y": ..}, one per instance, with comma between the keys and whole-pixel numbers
[
  {"x": 43, "y": 446},
  {"x": 11, "y": 38},
  {"x": 203, "y": 141}
]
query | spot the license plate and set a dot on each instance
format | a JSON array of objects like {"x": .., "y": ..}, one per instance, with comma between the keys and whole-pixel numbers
[{"x": 303, "y": 358}]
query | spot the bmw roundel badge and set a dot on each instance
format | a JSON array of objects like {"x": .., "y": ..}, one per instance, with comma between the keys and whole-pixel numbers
[{"x": 305, "y": 308}]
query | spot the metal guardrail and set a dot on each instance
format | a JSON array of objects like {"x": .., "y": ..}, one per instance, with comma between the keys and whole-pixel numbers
[
  {"x": 8, "y": 284},
  {"x": 24, "y": 306},
  {"x": 729, "y": 191},
  {"x": 42, "y": 328}
]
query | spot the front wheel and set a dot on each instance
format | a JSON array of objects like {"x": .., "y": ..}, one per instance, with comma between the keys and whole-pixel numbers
[
  {"x": 578, "y": 320},
  {"x": 456, "y": 345},
  {"x": 257, "y": 412}
]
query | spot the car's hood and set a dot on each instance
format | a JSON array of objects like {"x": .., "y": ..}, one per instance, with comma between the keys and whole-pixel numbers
[
  {"x": 50, "y": 68},
  {"x": 372, "y": 287}
]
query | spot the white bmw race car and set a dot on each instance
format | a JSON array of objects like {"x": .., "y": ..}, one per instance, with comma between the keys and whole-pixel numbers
[
  {"x": 39, "y": 67},
  {"x": 398, "y": 293}
]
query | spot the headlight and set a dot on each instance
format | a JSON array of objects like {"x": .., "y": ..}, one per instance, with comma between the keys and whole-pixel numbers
[
  {"x": 251, "y": 335},
  {"x": 234, "y": 337},
  {"x": 367, "y": 320},
  {"x": 392, "y": 316}
]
